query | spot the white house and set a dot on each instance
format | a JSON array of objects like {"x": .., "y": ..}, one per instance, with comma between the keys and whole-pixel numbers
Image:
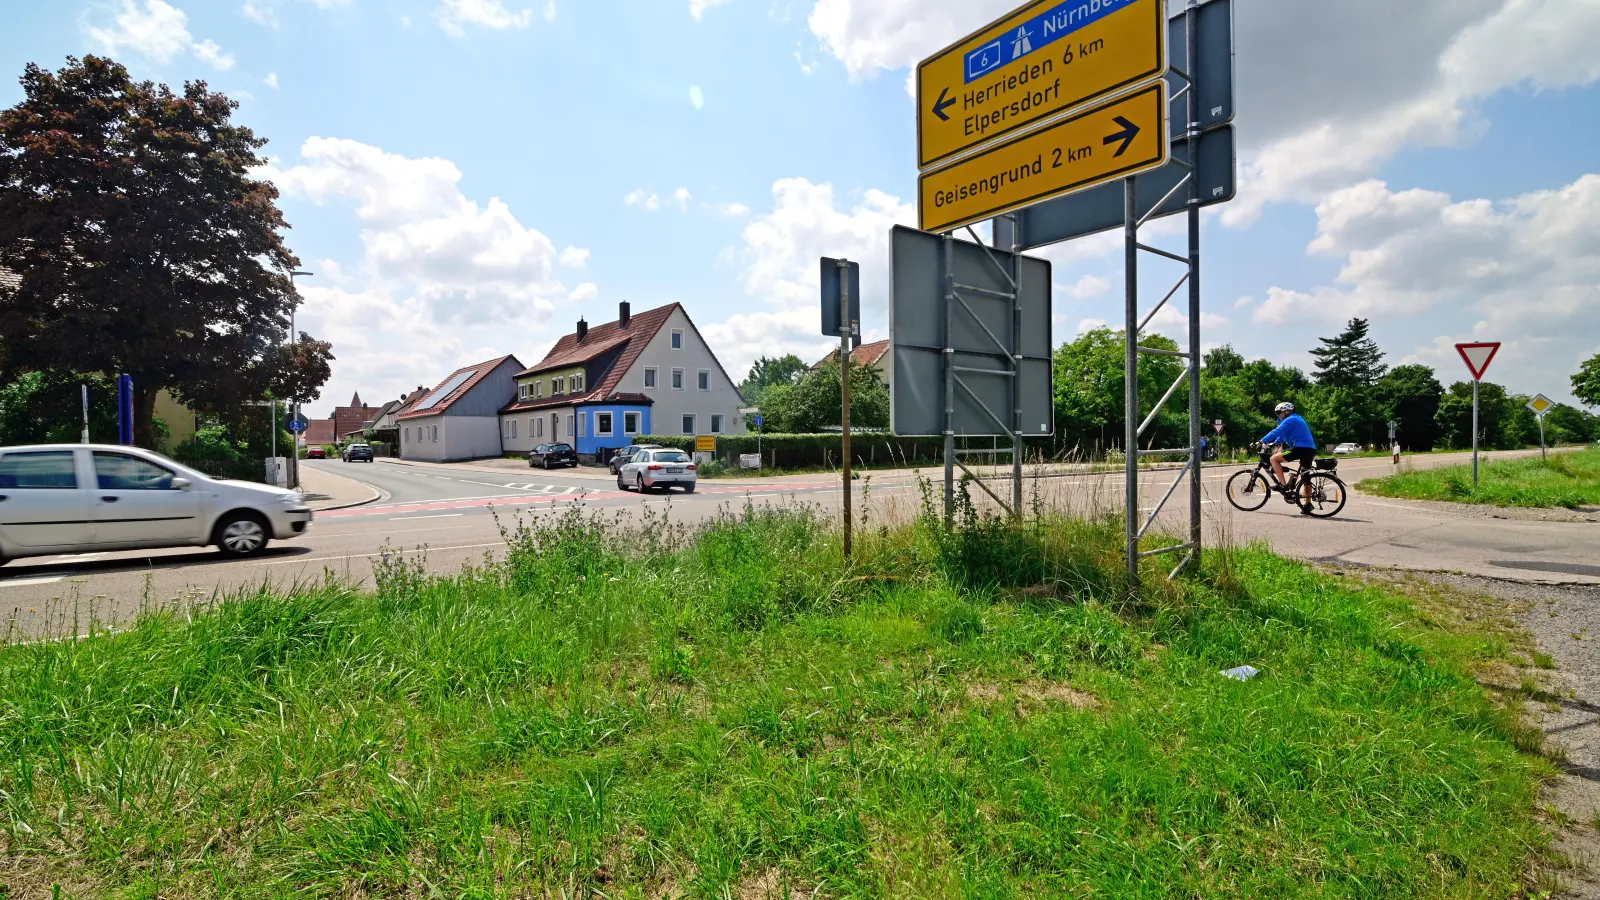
[
  {"x": 600, "y": 387},
  {"x": 457, "y": 419}
]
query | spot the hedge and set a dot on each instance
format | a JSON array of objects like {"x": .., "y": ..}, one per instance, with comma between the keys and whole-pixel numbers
[{"x": 796, "y": 451}]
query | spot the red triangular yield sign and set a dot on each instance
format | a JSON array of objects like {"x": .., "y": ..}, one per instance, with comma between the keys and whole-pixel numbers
[{"x": 1478, "y": 357}]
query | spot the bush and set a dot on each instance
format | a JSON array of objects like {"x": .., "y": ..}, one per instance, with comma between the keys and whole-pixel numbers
[{"x": 799, "y": 451}]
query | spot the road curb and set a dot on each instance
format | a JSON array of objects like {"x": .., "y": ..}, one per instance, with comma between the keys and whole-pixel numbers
[{"x": 378, "y": 494}]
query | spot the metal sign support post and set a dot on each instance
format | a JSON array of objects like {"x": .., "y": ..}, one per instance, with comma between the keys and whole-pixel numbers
[
  {"x": 844, "y": 390},
  {"x": 85, "y": 388},
  {"x": 1134, "y": 427},
  {"x": 1474, "y": 432},
  {"x": 1543, "y": 454}
]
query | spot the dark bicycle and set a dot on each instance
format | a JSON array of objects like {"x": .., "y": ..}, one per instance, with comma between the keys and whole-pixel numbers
[{"x": 1317, "y": 490}]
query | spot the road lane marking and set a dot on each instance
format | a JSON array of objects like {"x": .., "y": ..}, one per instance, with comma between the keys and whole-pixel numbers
[
  {"x": 284, "y": 562},
  {"x": 36, "y": 579},
  {"x": 433, "y": 516}
]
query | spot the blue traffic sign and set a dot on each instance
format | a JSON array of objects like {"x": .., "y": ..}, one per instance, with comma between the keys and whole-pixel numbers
[
  {"x": 759, "y": 421},
  {"x": 297, "y": 425}
]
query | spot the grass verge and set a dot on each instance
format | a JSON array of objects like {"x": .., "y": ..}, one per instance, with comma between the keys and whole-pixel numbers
[
  {"x": 1567, "y": 480},
  {"x": 736, "y": 711}
]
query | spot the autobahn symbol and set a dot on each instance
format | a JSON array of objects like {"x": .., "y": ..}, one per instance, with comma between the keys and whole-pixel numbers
[
  {"x": 1044, "y": 58},
  {"x": 1114, "y": 139}
]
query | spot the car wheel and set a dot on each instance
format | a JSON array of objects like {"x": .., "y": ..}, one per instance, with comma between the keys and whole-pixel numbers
[
  {"x": 642, "y": 488},
  {"x": 241, "y": 534},
  {"x": 547, "y": 463},
  {"x": 621, "y": 485},
  {"x": 688, "y": 489}
]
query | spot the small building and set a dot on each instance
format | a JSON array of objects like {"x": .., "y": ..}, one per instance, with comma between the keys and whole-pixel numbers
[
  {"x": 459, "y": 419},
  {"x": 600, "y": 387},
  {"x": 348, "y": 421},
  {"x": 319, "y": 432},
  {"x": 878, "y": 355}
]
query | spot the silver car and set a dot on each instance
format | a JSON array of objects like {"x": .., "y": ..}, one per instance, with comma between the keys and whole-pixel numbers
[
  {"x": 77, "y": 498},
  {"x": 651, "y": 469}
]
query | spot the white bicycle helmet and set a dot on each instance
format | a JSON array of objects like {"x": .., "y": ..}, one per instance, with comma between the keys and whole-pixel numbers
[{"x": 1283, "y": 407}]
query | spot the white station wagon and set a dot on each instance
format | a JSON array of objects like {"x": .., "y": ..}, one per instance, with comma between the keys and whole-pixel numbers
[{"x": 76, "y": 498}]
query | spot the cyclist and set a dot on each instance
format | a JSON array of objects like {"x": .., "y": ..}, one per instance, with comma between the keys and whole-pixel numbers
[{"x": 1298, "y": 445}]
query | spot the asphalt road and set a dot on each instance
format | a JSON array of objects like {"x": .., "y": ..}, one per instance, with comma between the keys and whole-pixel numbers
[{"x": 455, "y": 513}]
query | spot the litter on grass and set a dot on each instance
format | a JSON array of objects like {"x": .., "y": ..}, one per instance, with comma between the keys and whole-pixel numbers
[{"x": 1242, "y": 673}]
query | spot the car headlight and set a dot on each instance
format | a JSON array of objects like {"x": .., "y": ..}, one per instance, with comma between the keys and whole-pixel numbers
[{"x": 291, "y": 499}]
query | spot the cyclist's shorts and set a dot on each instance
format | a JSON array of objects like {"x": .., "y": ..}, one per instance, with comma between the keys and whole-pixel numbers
[{"x": 1302, "y": 455}]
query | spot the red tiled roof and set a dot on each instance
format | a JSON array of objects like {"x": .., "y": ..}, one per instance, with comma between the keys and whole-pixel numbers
[
  {"x": 865, "y": 355},
  {"x": 479, "y": 371},
  {"x": 575, "y": 400},
  {"x": 319, "y": 431},
  {"x": 601, "y": 338}
]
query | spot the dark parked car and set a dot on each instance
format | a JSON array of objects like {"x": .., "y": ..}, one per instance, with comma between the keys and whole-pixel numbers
[
  {"x": 358, "y": 453},
  {"x": 551, "y": 455},
  {"x": 621, "y": 457}
]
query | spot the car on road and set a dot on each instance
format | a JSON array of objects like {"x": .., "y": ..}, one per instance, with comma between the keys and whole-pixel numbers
[
  {"x": 621, "y": 457},
  {"x": 1346, "y": 448},
  {"x": 651, "y": 469},
  {"x": 358, "y": 453},
  {"x": 78, "y": 498},
  {"x": 552, "y": 455},
  {"x": 316, "y": 453}
]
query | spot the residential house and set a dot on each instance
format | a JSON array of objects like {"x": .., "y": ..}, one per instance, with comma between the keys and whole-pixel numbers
[
  {"x": 458, "y": 419},
  {"x": 879, "y": 355},
  {"x": 600, "y": 387},
  {"x": 349, "y": 421},
  {"x": 383, "y": 422},
  {"x": 318, "y": 432}
]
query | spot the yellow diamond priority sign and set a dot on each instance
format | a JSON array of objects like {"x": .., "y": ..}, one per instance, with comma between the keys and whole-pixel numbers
[{"x": 1540, "y": 404}]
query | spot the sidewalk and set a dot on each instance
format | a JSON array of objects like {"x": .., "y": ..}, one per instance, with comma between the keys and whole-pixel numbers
[{"x": 324, "y": 490}]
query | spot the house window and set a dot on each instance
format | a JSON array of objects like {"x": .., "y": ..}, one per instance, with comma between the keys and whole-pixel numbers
[
  {"x": 570, "y": 426},
  {"x": 577, "y": 383},
  {"x": 538, "y": 389},
  {"x": 677, "y": 379},
  {"x": 677, "y": 338},
  {"x": 408, "y": 435},
  {"x": 513, "y": 429},
  {"x": 558, "y": 386},
  {"x": 538, "y": 431},
  {"x": 583, "y": 424},
  {"x": 716, "y": 424},
  {"x": 688, "y": 424},
  {"x": 703, "y": 380},
  {"x": 630, "y": 423},
  {"x": 602, "y": 424},
  {"x": 650, "y": 378},
  {"x": 435, "y": 433}
]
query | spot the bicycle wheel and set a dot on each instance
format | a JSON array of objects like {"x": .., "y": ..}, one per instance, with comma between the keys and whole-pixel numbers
[
  {"x": 1248, "y": 491},
  {"x": 1327, "y": 494}
]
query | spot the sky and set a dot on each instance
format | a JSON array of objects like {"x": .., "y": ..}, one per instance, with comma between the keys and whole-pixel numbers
[{"x": 466, "y": 178}]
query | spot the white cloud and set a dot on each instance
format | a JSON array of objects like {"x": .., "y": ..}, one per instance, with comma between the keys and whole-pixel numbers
[
  {"x": 1084, "y": 326},
  {"x": 574, "y": 258},
  {"x": 585, "y": 291},
  {"x": 153, "y": 29},
  {"x": 549, "y": 11},
  {"x": 1526, "y": 270},
  {"x": 266, "y": 11},
  {"x": 1084, "y": 288},
  {"x": 271, "y": 81},
  {"x": 681, "y": 197},
  {"x": 697, "y": 8},
  {"x": 454, "y": 15},
  {"x": 652, "y": 202},
  {"x": 779, "y": 268},
  {"x": 697, "y": 98},
  {"x": 729, "y": 209}
]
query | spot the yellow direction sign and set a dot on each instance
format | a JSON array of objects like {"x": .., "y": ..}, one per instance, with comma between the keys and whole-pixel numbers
[
  {"x": 1540, "y": 404},
  {"x": 705, "y": 443},
  {"x": 1047, "y": 57},
  {"x": 1117, "y": 138}
]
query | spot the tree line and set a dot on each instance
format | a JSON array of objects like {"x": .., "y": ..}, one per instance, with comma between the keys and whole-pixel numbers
[{"x": 1350, "y": 395}]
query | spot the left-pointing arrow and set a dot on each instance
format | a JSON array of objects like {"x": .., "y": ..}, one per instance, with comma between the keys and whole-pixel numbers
[
  {"x": 942, "y": 104},
  {"x": 1126, "y": 135}
]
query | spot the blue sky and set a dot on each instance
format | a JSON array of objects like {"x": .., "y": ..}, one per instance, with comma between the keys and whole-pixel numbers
[{"x": 467, "y": 177}]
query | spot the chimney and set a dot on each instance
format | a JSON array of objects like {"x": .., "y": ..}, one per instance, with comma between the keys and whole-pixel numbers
[
  {"x": 624, "y": 313},
  {"x": 583, "y": 329}
]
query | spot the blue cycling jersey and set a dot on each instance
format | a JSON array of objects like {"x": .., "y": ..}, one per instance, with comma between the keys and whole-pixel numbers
[{"x": 1292, "y": 431}]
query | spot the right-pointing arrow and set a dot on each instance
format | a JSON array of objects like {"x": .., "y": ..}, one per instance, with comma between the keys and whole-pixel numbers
[{"x": 1126, "y": 135}]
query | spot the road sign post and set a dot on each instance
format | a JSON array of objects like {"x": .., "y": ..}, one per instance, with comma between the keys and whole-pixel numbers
[
  {"x": 1119, "y": 137},
  {"x": 1044, "y": 58},
  {"x": 125, "y": 410},
  {"x": 1477, "y": 356},
  {"x": 848, "y": 275},
  {"x": 1540, "y": 404}
]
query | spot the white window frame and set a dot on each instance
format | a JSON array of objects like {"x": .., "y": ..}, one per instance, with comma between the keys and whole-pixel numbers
[
  {"x": 676, "y": 342},
  {"x": 678, "y": 380},
  {"x": 583, "y": 425},
  {"x": 652, "y": 378},
  {"x": 435, "y": 433},
  {"x": 638, "y": 422},
  {"x": 538, "y": 422},
  {"x": 689, "y": 424},
  {"x": 716, "y": 423},
  {"x": 610, "y": 421},
  {"x": 558, "y": 386},
  {"x": 702, "y": 380},
  {"x": 577, "y": 383},
  {"x": 538, "y": 389},
  {"x": 571, "y": 426}
]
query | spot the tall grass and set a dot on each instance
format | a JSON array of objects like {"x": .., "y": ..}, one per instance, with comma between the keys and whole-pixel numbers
[
  {"x": 1567, "y": 480},
  {"x": 648, "y": 710}
]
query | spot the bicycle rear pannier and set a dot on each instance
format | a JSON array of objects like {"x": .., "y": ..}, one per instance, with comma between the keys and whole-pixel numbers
[{"x": 1332, "y": 463}]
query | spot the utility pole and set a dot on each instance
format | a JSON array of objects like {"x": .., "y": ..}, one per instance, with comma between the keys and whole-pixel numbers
[
  {"x": 85, "y": 388},
  {"x": 844, "y": 390}
]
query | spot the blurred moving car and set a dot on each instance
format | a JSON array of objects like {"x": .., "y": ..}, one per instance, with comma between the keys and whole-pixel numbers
[
  {"x": 358, "y": 453},
  {"x": 651, "y": 469},
  {"x": 621, "y": 457},
  {"x": 550, "y": 455},
  {"x": 77, "y": 498},
  {"x": 316, "y": 453},
  {"x": 1343, "y": 449}
]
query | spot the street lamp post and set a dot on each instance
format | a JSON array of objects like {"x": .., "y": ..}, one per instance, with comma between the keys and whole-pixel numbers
[{"x": 294, "y": 445}]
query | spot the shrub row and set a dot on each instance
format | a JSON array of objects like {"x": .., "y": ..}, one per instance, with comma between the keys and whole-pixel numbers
[{"x": 796, "y": 451}]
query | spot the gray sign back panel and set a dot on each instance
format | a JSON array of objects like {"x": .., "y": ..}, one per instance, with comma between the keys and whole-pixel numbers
[
  {"x": 917, "y": 326},
  {"x": 830, "y": 297},
  {"x": 1214, "y": 76},
  {"x": 1100, "y": 209}
]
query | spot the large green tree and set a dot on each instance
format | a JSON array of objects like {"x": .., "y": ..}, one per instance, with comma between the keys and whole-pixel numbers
[
  {"x": 1499, "y": 426},
  {"x": 814, "y": 402},
  {"x": 1586, "y": 384},
  {"x": 1409, "y": 394},
  {"x": 1350, "y": 360},
  {"x": 1089, "y": 379},
  {"x": 143, "y": 244},
  {"x": 767, "y": 373}
]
